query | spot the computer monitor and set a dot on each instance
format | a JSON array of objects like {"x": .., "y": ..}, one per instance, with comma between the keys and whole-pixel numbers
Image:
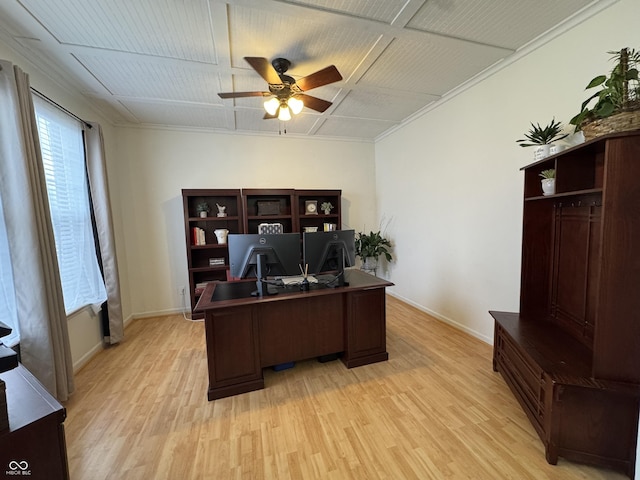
[
  {"x": 329, "y": 251},
  {"x": 260, "y": 256}
]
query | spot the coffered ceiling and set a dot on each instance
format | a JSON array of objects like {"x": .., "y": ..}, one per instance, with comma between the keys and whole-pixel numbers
[{"x": 163, "y": 62}]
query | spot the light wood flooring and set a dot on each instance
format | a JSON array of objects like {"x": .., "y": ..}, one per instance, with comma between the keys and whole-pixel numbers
[{"x": 435, "y": 410}]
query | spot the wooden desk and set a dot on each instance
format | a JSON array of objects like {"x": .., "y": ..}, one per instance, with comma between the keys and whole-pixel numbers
[
  {"x": 244, "y": 334},
  {"x": 34, "y": 446}
]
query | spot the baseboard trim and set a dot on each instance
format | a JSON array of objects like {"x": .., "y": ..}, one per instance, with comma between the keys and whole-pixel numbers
[{"x": 444, "y": 319}]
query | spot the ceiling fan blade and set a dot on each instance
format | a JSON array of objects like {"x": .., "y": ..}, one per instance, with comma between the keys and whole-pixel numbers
[
  {"x": 243, "y": 94},
  {"x": 264, "y": 69},
  {"x": 268, "y": 116},
  {"x": 314, "y": 103},
  {"x": 322, "y": 77}
]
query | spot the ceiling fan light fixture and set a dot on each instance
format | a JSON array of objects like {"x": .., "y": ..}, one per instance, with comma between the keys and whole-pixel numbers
[
  {"x": 285, "y": 114},
  {"x": 295, "y": 104},
  {"x": 271, "y": 105}
]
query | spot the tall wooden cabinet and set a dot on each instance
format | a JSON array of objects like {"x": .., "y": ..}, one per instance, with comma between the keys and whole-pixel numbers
[
  {"x": 245, "y": 210},
  {"x": 571, "y": 355},
  {"x": 209, "y": 261}
]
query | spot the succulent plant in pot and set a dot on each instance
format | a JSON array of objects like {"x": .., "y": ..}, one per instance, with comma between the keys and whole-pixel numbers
[
  {"x": 203, "y": 209},
  {"x": 548, "y": 181},
  {"x": 326, "y": 207},
  {"x": 542, "y": 137}
]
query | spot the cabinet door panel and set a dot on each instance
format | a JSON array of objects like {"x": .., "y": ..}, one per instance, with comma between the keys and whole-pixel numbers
[
  {"x": 575, "y": 273},
  {"x": 229, "y": 331}
]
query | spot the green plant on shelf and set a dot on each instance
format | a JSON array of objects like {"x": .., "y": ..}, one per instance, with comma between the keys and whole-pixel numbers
[
  {"x": 619, "y": 92},
  {"x": 550, "y": 173},
  {"x": 203, "y": 207},
  {"x": 326, "y": 207},
  {"x": 538, "y": 135}
]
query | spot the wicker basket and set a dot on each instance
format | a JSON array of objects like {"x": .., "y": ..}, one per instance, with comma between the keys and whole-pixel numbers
[{"x": 620, "y": 122}]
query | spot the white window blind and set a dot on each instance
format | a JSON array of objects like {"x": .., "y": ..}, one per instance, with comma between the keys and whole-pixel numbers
[
  {"x": 64, "y": 164},
  {"x": 8, "y": 313}
]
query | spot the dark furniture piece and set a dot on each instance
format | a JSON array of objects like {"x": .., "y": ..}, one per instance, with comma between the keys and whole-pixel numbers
[
  {"x": 244, "y": 334},
  {"x": 571, "y": 355},
  {"x": 318, "y": 220},
  {"x": 246, "y": 209},
  {"x": 201, "y": 268},
  {"x": 269, "y": 205},
  {"x": 34, "y": 445}
]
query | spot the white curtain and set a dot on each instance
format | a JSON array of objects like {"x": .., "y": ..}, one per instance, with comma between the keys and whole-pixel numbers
[
  {"x": 99, "y": 188},
  {"x": 44, "y": 339}
]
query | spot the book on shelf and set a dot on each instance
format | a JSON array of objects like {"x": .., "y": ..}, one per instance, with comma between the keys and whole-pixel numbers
[
  {"x": 200, "y": 287},
  {"x": 215, "y": 262},
  {"x": 198, "y": 237}
]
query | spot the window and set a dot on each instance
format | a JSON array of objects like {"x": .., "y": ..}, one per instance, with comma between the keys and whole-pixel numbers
[
  {"x": 64, "y": 164},
  {"x": 8, "y": 313}
]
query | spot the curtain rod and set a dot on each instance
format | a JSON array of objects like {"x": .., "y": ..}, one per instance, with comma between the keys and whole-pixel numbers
[{"x": 44, "y": 97}]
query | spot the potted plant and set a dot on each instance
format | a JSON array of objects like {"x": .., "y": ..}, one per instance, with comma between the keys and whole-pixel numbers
[
  {"x": 542, "y": 138},
  {"x": 326, "y": 207},
  {"x": 548, "y": 181},
  {"x": 371, "y": 246},
  {"x": 617, "y": 106},
  {"x": 203, "y": 209}
]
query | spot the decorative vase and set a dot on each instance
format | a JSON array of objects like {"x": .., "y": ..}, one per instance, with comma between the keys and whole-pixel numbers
[
  {"x": 541, "y": 152},
  {"x": 548, "y": 186},
  {"x": 221, "y": 235}
]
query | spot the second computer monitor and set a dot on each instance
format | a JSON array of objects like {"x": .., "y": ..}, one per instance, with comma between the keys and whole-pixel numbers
[{"x": 329, "y": 251}]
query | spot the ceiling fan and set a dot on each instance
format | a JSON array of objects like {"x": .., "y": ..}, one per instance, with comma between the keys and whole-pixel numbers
[{"x": 287, "y": 95}]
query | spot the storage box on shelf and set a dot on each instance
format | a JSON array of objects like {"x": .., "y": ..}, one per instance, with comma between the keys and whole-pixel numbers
[{"x": 570, "y": 355}]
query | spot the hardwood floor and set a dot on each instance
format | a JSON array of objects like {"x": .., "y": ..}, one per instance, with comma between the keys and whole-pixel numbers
[{"x": 435, "y": 410}]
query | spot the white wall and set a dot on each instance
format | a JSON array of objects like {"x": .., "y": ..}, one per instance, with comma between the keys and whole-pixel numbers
[
  {"x": 155, "y": 165},
  {"x": 451, "y": 178}
]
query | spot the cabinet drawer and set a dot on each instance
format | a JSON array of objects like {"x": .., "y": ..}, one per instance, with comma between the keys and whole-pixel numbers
[{"x": 523, "y": 376}]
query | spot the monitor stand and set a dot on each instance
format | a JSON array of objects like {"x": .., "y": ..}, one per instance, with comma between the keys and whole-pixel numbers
[
  {"x": 340, "y": 280},
  {"x": 262, "y": 288}
]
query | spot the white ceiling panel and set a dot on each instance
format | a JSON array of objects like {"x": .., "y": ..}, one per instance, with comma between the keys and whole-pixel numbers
[
  {"x": 379, "y": 105},
  {"x": 429, "y": 67},
  {"x": 497, "y": 22},
  {"x": 164, "y": 28},
  {"x": 177, "y": 115},
  {"x": 117, "y": 111},
  {"x": 381, "y": 10},
  {"x": 145, "y": 78},
  {"x": 164, "y": 62}
]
